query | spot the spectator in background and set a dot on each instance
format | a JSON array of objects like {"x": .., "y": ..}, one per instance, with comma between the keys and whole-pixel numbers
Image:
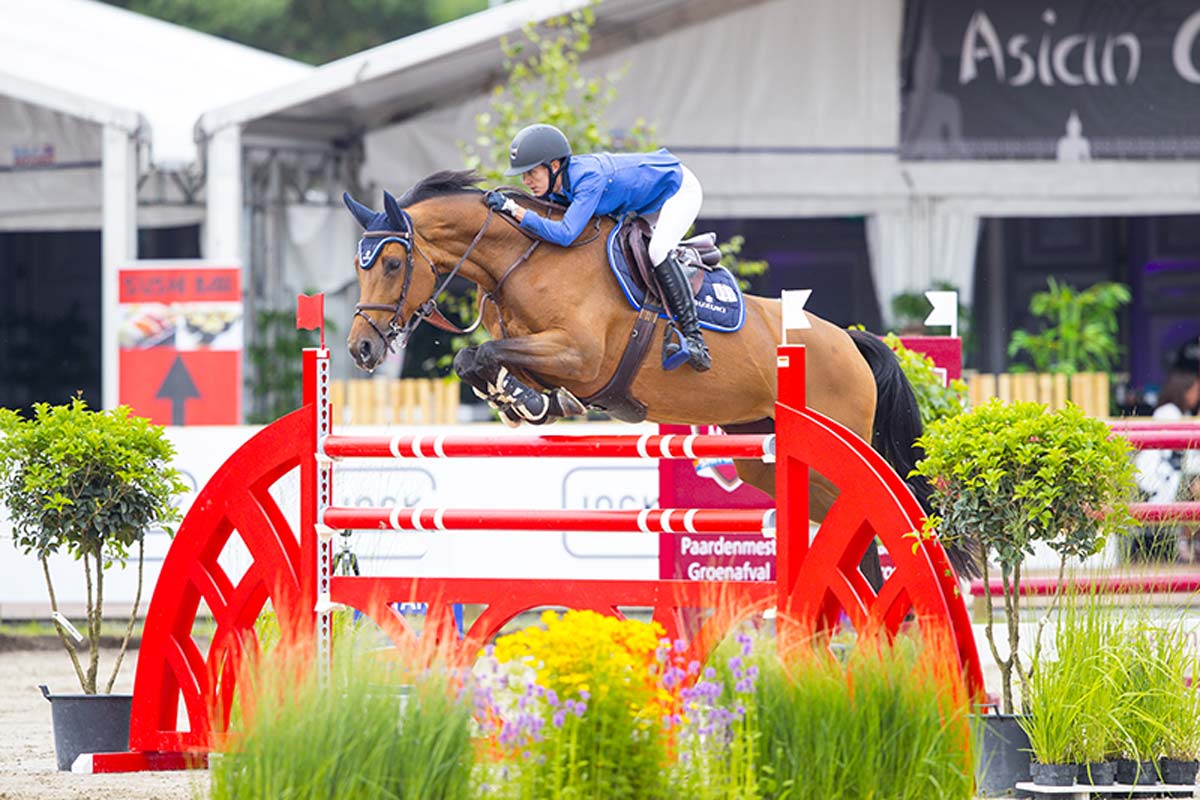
[{"x": 1166, "y": 476}]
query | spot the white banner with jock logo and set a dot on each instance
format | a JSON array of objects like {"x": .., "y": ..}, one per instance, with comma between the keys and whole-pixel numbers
[{"x": 534, "y": 483}]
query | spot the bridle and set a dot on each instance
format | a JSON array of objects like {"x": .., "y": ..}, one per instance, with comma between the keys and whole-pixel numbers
[
  {"x": 369, "y": 246},
  {"x": 372, "y": 243}
]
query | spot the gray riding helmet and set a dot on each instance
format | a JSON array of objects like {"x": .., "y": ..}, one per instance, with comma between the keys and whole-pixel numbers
[{"x": 536, "y": 144}]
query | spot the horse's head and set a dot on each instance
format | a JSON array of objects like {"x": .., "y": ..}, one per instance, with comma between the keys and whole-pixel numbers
[{"x": 390, "y": 289}]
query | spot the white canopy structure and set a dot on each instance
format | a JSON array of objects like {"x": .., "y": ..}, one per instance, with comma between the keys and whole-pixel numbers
[
  {"x": 96, "y": 101},
  {"x": 784, "y": 108}
]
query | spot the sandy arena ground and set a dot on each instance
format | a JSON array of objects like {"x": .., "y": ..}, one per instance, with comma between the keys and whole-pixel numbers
[{"x": 27, "y": 765}]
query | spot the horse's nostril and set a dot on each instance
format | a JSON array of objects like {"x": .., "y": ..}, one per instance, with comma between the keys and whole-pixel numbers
[{"x": 364, "y": 349}]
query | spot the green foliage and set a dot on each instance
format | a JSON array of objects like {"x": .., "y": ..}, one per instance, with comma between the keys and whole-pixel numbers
[
  {"x": 84, "y": 482},
  {"x": 935, "y": 399},
  {"x": 1055, "y": 714},
  {"x": 745, "y": 270},
  {"x": 275, "y": 382},
  {"x": 1015, "y": 475},
  {"x": 87, "y": 484},
  {"x": 1088, "y": 635},
  {"x": 1079, "y": 332},
  {"x": 307, "y": 30},
  {"x": 543, "y": 83},
  {"x": 370, "y": 730},
  {"x": 881, "y": 725}
]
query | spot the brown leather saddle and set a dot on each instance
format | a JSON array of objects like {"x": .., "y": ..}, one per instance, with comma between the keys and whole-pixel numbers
[{"x": 694, "y": 254}]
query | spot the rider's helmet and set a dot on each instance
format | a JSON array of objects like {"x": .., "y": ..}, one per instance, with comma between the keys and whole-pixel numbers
[{"x": 534, "y": 145}]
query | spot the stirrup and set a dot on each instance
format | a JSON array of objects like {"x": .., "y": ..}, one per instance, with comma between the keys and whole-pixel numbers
[{"x": 675, "y": 350}]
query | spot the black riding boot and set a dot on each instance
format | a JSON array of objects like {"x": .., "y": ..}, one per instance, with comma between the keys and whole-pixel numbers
[{"x": 678, "y": 296}]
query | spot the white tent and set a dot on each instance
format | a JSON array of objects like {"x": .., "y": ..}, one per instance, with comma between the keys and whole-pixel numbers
[
  {"x": 95, "y": 100},
  {"x": 784, "y": 108}
]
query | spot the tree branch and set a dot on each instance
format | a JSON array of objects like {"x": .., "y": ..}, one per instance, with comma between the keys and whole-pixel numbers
[
  {"x": 137, "y": 602},
  {"x": 62, "y": 634}
]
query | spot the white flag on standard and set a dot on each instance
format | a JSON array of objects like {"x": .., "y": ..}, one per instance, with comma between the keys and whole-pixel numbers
[
  {"x": 794, "y": 318},
  {"x": 945, "y": 310}
]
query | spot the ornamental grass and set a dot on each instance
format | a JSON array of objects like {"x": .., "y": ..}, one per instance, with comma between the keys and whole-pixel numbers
[{"x": 583, "y": 705}]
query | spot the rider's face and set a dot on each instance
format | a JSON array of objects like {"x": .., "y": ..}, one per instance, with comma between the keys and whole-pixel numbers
[{"x": 537, "y": 180}]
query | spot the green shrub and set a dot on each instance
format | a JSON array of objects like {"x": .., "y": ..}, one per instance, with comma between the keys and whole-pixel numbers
[
  {"x": 935, "y": 398},
  {"x": 1015, "y": 475},
  {"x": 88, "y": 484}
]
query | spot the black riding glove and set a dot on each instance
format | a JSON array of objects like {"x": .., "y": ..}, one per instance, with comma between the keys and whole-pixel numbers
[{"x": 495, "y": 201}]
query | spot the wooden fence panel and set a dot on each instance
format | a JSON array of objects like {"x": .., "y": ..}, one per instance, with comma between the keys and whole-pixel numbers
[
  {"x": 1088, "y": 390},
  {"x": 402, "y": 401}
]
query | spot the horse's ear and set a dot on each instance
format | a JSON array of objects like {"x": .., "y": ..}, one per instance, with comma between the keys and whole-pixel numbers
[
  {"x": 361, "y": 213},
  {"x": 394, "y": 213}
]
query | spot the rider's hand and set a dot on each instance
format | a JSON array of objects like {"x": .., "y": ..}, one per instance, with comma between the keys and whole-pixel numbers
[{"x": 498, "y": 202}]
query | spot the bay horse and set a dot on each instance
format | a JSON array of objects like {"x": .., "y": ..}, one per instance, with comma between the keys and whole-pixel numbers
[{"x": 558, "y": 314}]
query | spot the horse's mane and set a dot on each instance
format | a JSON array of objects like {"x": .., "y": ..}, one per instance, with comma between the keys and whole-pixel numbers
[{"x": 448, "y": 181}]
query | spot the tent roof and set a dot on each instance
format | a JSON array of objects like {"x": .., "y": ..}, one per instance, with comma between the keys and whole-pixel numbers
[
  {"x": 108, "y": 65},
  {"x": 398, "y": 80}
]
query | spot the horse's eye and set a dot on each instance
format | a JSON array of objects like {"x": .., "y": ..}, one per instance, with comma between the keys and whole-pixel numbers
[{"x": 392, "y": 264}]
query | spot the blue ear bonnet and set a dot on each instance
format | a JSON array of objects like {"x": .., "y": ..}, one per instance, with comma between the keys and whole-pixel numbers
[
  {"x": 380, "y": 227},
  {"x": 370, "y": 246}
]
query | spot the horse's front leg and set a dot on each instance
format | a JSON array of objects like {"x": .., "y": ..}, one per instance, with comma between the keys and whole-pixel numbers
[{"x": 488, "y": 369}]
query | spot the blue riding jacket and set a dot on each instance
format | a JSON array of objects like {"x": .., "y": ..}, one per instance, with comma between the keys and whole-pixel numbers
[{"x": 608, "y": 183}]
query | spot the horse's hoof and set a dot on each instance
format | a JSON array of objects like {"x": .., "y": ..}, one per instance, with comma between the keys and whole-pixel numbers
[
  {"x": 509, "y": 416},
  {"x": 528, "y": 398},
  {"x": 568, "y": 404}
]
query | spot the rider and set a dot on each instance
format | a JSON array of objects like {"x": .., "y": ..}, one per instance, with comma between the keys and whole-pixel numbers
[{"x": 608, "y": 183}]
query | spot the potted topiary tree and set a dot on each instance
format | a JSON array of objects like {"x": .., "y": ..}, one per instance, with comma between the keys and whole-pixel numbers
[
  {"x": 1015, "y": 475},
  {"x": 86, "y": 484}
]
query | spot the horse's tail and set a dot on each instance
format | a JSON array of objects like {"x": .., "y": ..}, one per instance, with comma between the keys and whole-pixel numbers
[{"x": 897, "y": 427}]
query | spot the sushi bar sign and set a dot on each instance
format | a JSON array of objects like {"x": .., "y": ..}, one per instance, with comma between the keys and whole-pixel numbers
[{"x": 181, "y": 339}]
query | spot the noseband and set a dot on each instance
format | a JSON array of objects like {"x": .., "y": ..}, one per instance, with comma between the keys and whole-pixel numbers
[{"x": 368, "y": 248}]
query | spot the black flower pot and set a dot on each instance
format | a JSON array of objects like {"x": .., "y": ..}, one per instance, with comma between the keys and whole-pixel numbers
[
  {"x": 1054, "y": 774},
  {"x": 1003, "y": 755},
  {"x": 1136, "y": 773},
  {"x": 88, "y": 723},
  {"x": 1178, "y": 773},
  {"x": 1099, "y": 773}
]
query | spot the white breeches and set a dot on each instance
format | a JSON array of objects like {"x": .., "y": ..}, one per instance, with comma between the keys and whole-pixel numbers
[{"x": 675, "y": 217}]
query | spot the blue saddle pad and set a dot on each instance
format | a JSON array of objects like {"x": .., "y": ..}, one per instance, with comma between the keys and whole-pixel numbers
[{"x": 719, "y": 305}]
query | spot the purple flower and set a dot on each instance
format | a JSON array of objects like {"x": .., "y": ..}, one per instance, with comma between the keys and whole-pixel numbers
[
  {"x": 744, "y": 686},
  {"x": 680, "y": 645},
  {"x": 735, "y": 662},
  {"x": 693, "y": 667},
  {"x": 579, "y": 708},
  {"x": 710, "y": 673},
  {"x": 673, "y": 677},
  {"x": 560, "y": 717},
  {"x": 585, "y": 694},
  {"x": 552, "y": 698}
]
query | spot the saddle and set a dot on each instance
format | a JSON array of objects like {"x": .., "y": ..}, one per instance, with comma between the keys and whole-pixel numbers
[{"x": 695, "y": 254}]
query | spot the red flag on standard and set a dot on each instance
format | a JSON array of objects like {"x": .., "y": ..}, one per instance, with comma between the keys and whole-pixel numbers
[{"x": 310, "y": 314}]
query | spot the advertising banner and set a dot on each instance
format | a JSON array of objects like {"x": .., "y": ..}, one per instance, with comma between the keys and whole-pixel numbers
[
  {"x": 181, "y": 341},
  {"x": 1070, "y": 80}
]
